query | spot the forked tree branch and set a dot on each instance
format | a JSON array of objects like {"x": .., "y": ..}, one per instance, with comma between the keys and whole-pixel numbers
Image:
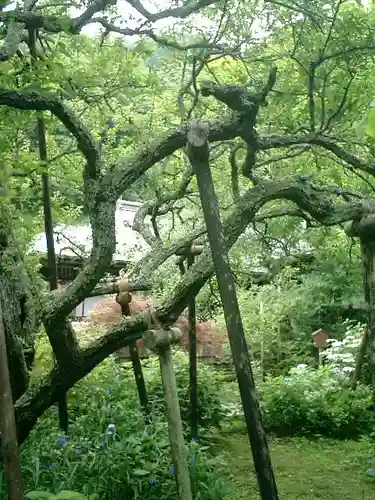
[
  {"x": 49, "y": 102},
  {"x": 314, "y": 201}
]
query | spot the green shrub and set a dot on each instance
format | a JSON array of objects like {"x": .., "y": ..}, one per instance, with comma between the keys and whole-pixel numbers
[
  {"x": 312, "y": 401},
  {"x": 43, "y": 361},
  {"x": 63, "y": 495},
  {"x": 110, "y": 451},
  {"x": 209, "y": 382}
]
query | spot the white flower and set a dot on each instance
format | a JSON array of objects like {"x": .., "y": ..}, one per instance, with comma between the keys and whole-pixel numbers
[{"x": 111, "y": 429}]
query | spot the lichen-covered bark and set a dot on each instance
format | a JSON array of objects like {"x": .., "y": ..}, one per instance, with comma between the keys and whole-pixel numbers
[
  {"x": 10, "y": 449},
  {"x": 32, "y": 404},
  {"x": 18, "y": 311},
  {"x": 103, "y": 184}
]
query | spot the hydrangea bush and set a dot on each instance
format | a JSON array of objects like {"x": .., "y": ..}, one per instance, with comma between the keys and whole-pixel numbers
[
  {"x": 340, "y": 355},
  {"x": 310, "y": 401}
]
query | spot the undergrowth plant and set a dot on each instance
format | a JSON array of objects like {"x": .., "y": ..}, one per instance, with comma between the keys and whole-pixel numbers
[
  {"x": 208, "y": 389},
  {"x": 111, "y": 452},
  {"x": 310, "y": 401}
]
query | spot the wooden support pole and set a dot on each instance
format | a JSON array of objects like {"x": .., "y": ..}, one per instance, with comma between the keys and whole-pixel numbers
[
  {"x": 160, "y": 341},
  {"x": 48, "y": 222},
  {"x": 124, "y": 298},
  {"x": 10, "y": 449},
  {"x": 193, "y": 382},
  {"x": 198, "y": 154}
]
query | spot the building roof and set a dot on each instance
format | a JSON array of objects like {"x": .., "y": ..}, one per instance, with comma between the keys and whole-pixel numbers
[{"x": 76, "y": 240}]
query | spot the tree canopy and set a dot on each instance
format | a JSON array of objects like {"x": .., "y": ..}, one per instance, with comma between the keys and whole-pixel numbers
[{"x": 286, "y": 89}]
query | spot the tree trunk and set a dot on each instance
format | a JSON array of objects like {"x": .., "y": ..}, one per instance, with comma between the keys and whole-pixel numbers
[
  {"x": 368, "y": 262},
  {"x": 18, "y": 314},
  {"x": 359, "y": 359},
  {"x": 10, "y": 449}
]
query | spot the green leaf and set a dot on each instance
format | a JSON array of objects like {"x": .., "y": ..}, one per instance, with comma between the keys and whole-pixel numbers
[
  {"x": 71, "y": 495},
  {"x": 37, "y": 495},
  {"x": 370, "y": 131},
  {"x": 140, "y": 472},
  {"x": 361, "y": 128}
]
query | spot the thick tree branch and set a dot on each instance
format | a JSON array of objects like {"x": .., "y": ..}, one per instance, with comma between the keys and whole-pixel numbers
[
  {"x": 238, "y": 98},
  {"x": 127, "y": 172},
  {"x": 48, "y": 102},
  {"x": 11, "y": 42},
  {"x": 54, "y": 24},
  {"x": 96, "y": 6},
  {"x": 313, "y": 200},
  {"x": 274, "y": 141},
  {"x": 102, "y": 218},
  {"x": 100, "y": 201},
  {"x": 179, "y": 12}
]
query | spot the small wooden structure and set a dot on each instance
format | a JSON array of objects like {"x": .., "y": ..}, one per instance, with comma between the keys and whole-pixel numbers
[
  {"x": 320, "y": 338},
  {"x": 73, "y": 244},
  {"x": 68, "y": 267}
]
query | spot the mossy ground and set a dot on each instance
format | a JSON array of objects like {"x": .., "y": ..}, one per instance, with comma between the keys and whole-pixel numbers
[{"x": 305, "y": 469}]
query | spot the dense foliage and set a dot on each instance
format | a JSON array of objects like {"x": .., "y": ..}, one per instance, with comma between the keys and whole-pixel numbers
[
  {"x": 287, "y": 90},
  {"x": 312, "y": 402},
  {"x": 108, "y": 452},
  {"x": 305, "y": 152}
]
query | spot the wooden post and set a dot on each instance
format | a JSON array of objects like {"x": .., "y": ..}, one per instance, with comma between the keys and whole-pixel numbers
[
  {"x": 10, "y": 449},
  {"x": 123, "y": 298},
  {"x": 320, "y": 338},
  {"x": 48, "y": 222},
  {"x": 160, "y": 341},
  {"x": 261, "y": 315},
  {"x": 198, "y": 154},
  {"x": 193, "y": 379}
]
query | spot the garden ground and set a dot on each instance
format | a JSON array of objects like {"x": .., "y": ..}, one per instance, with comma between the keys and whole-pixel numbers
[{"x": 305, "y": 469}]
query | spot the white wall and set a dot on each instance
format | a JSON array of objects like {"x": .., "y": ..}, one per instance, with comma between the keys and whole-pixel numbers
[{"x": 83, "y": 309}]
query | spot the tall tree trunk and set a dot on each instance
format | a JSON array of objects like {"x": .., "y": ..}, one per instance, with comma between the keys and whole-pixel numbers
[
  {"x": 18, "y": 312},
  {"x": 368, "y": 262},
  {"x": 359, "y": 359},
  {"x": 10, "y": 449}
]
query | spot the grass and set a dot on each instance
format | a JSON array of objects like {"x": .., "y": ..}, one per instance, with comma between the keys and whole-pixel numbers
[
  {"x": 320, "y": 469},
  {"x": 304, "y": 469}
]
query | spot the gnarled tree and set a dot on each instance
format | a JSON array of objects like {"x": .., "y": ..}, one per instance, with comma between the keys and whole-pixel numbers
[{"x": 279, "y": 105}]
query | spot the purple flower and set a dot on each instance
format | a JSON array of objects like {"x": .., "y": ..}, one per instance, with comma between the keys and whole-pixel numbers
[
  {"x": 153, "y": 482},
  {"x": 63, "y": 441},
  {"x": 172, "y": 470}
]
